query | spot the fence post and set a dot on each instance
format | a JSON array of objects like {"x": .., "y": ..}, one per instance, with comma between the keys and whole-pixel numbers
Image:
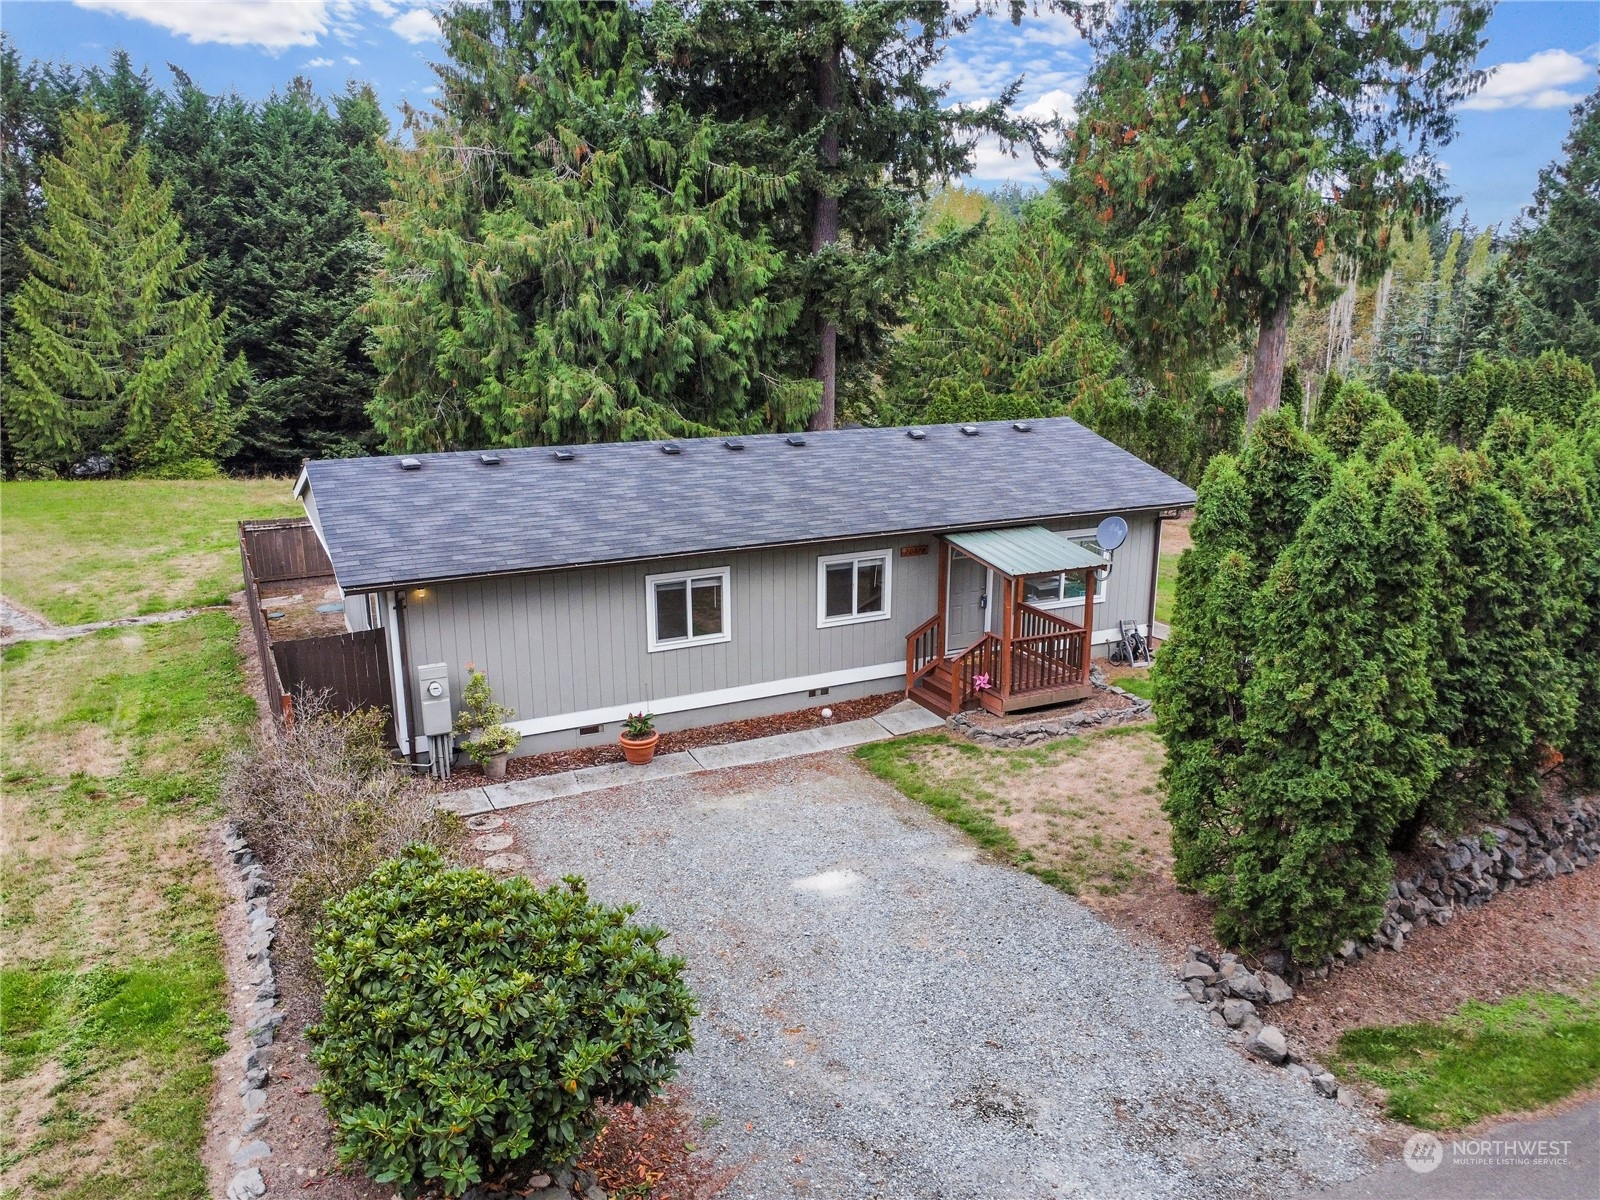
[{"x": 287, "y": 701}]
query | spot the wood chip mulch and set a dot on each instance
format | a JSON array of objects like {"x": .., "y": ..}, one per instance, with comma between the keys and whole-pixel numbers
[{"x": 533, "y": 765}]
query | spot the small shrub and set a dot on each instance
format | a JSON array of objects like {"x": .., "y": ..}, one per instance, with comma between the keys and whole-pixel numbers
[
  {"x": 471, "y": 1025},
  {"x": 479, "y": 722},
  {"x": 323, "y": 805}
]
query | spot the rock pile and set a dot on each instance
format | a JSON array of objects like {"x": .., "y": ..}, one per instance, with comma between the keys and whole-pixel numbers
[
  {"x": 263, "y": 1017},
  {"x": 1079, "y": 720},
  {"x": 1236, "y": 997},
  {"x": 1471, "y": 870}
]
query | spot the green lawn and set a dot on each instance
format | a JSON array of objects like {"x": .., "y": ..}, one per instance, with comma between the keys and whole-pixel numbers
[
  {"x": 1519, "y": 1055},
  {"x": 1166, "y": 587},
  {"x": 112, "y": 994},
  {"x": 80, "y": 552}
]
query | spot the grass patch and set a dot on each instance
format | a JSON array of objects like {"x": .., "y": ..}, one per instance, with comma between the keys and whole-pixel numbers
[
  {"x": 1166, "y": 587},
  {"x": 1515, "y": 1056},
  {"x": 1136, "y": 680},
  {"x": 95, "y": 551},
  {"x": 1081, "y": 813},
  {"x": 112, "y": 997}
]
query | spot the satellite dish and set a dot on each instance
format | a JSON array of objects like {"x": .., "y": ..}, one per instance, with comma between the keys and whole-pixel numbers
[{"x": 1111, "y": 533}]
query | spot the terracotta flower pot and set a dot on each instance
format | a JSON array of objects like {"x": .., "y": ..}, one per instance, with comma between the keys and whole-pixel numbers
[{"x": 639, "y": 750}]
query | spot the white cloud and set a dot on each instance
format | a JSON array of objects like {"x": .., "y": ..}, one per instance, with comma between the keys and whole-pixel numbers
[
  {"x": 383, "y": 8},
  {"x": 1533, "y": 83},
  {"x": 318, "y": 62},
  {"x": 273, "y": 27},
  {"x": 1054, "y": 103},
  {"x": 418, "y": 25},
  {"x": 354, "y": 62}
]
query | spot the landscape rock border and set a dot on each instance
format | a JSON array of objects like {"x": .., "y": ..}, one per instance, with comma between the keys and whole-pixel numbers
[
  {"x": 263, "y": 1017},
  {"x": 1466, "y": 872},
  {"x": 1079, "y": 720}
]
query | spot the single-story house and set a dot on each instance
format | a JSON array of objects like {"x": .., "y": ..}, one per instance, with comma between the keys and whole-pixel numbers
[{"x": 712, "y": 579}]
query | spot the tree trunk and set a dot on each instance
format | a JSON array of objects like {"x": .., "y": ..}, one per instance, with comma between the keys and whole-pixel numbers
[
  {"x": 1266, "y": 375},
  {"x": 824, "y": 232}
]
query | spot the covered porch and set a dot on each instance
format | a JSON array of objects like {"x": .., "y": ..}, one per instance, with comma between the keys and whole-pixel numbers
[{"x": 988, "y": 647}]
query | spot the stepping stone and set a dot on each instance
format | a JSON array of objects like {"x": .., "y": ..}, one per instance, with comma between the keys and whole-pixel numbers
[
  {"x": 509, "y": 863},
  {"x": 484, "y": 822},
  {"x": 492, "y": 841}
]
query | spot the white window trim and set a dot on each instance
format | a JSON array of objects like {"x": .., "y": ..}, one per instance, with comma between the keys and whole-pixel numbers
[
  {"x": 824, "y": 621},
  {"x": 653, "y": 644},
  {"x": 1076, "y": 535}
]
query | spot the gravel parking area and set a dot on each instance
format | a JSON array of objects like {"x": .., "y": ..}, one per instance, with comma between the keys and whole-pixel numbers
[{"x": 886, "y": 1015}]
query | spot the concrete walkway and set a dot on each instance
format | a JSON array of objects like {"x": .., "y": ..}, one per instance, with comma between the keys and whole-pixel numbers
[{"x": 905, "y": 717}]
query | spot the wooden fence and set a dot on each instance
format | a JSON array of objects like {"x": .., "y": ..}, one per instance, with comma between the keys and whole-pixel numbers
[
  {"x": 351, "y": 668},
  {"x": 287, "y": 548}
]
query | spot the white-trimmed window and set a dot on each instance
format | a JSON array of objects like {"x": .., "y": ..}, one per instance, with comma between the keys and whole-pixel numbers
[
  {"x": 852, "y": 588},
  {"x": 689, "y": 608},
  {"x": 1064, "y": 590}
]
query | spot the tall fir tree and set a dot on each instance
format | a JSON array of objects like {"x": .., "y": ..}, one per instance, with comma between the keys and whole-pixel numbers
[
  {"x": 272, "y": 197},
  {"x": 1583, "y": 744},
  {"x": 565, "y": 260},
  {"x": 114, "y": 353},
  {"x": 836, "y": 96},
  {"x": 1557, "y": 305},
  {"x": 1222, "y": 150}
]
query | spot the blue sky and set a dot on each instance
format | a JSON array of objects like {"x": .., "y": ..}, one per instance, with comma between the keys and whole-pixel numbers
[{"x": 1544, "y": 55}]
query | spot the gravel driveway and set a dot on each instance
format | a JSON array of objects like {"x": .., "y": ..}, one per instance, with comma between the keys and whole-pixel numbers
[{"x": 884, "y": 1014}]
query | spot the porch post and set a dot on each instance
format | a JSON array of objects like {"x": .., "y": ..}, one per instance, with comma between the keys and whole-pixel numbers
[
  {"x": 944, "y": 593},
  {"x": 1007, "y": 622},
  {"x": 1088, "y": 626}
]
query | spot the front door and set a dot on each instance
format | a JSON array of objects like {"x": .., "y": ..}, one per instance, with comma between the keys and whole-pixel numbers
[{"x": 968, "y": 602}]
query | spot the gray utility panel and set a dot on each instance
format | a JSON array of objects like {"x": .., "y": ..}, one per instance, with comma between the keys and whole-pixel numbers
[{"x": 433, "y": 684}]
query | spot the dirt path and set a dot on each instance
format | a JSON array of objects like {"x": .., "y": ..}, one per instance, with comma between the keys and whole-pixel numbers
[{"x": 19, "y": 624}]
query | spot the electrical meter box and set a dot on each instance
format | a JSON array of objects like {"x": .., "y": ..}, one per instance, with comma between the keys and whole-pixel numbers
[{"x": 433, "y": 682}]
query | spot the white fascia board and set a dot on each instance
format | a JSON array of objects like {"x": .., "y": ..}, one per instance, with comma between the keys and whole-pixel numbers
[{"x": 712, "y": 699}]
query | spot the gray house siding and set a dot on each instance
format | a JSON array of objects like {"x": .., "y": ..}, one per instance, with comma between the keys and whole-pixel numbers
[
  {"x": 563, "y": 647},
  {"x": 1126, "y": 593}
]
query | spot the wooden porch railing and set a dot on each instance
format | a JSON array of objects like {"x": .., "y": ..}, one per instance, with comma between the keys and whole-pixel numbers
[
  {"x": 924, "y": 649},
  {"x": 1047, "y": 651},
  {"x": 980, "y": 658}
]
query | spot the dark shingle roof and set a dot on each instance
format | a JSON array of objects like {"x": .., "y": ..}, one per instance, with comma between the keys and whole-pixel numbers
[{"x": 456, "y": 517}]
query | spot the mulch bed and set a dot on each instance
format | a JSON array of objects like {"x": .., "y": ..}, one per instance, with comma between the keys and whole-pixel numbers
[{"x": 532, "y": 766}]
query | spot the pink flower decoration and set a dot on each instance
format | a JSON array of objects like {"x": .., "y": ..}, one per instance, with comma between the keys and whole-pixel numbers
[{"x": 980, "y": 683}]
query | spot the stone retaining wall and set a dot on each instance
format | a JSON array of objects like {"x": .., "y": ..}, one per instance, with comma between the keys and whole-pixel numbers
[{"x": 263, "y": 1017}]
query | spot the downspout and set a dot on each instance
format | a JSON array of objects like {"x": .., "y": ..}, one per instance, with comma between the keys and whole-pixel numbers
[{"x": 402, "y": 686}]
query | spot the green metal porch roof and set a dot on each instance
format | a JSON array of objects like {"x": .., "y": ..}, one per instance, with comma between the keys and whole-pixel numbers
[{"x": 1030, "y": 550}]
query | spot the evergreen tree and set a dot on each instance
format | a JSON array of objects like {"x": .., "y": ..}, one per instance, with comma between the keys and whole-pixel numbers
[
  {"x": 1200, "y": 678},
  {"x": 113, "y": 352},
  {"x": 1337, "y": 749},
  {"x": 1558, "y": 260},
  {"x": 272, "y": 197},
  {"x": 1415, "y": 397},
  {"x": 1223, "y": 149},
  {"x": 565, "y": 260},
  {"x": 835, "y": 96},
  {"x": 1501, "y": 686},
  {"x": 1286, "y": 471},
  {"x": 1583, "y": 744}
]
